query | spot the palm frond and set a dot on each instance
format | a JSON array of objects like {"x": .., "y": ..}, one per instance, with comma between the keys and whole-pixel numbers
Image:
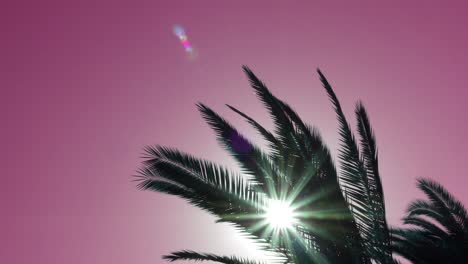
[
  {"x": 353, "y": 177},
  {"x": 284, "y": 128},
  {"x": 445, "y": 202},
  {"x": 192, "y": 255},
  {"x": 229, "y": 196},
  {"x": 435, "y": 230},
  {"x": 425, "y": 226},
  {"x": 267, "y": 135},
  {"x": 423, "y": 208},
  {"x": 380, "y": 236},
  {"x": 360, "y": 179},
  {"x": 208, "y": 186},
  {"x": 252, "y": 160}
]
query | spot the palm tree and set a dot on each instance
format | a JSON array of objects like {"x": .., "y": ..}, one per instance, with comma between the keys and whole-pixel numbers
[
  {"x": 331, "y": 217},
  {"x": 436, "y": 229}
]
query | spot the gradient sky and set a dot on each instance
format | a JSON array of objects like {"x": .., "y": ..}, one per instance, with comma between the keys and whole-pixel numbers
[{"x": 86, "y": 84}]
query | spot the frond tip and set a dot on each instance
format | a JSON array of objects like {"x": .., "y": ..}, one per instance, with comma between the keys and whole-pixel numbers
[{"x": 192, "y": 255}]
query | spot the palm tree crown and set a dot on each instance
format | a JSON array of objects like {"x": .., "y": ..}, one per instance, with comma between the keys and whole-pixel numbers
[
  {"x": 338, "y": 217},
  {"x": 436, "y": 230}
]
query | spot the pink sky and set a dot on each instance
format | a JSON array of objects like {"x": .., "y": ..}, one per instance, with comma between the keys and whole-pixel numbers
[{"x": 85, "y": 86}]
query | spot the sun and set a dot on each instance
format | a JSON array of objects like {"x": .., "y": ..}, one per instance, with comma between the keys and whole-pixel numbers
[{"x": 279, "y": 214}]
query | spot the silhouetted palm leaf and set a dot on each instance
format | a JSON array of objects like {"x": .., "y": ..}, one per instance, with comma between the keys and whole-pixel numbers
[
  {"x": 437, "y": 232},
  {"x": 380, "y": 236},
  {"x": 192, "y": 255},
  {"x": 360, "y": 180}
]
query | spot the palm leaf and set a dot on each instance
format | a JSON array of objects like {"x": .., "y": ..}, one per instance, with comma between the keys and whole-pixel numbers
[
  {"x": 192, "y": 255},
  {"x": 360, "y": 179},
  {"x": 380, "y": 237},
  {"x": 435, "y": 230},
  {"x": 251, "y": 159},
  {"x": 264, "y": 132},
  {"x": 204, "y": 184},
  {"x": 446, "y": 203},
  {"x": 284, "y": 128}
]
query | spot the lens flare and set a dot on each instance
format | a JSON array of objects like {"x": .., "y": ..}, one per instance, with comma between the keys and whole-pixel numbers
[{"x": 179, "y": 31}]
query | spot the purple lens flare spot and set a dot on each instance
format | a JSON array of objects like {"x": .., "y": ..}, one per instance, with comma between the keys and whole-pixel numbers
[{"x": 240, "y": 144}]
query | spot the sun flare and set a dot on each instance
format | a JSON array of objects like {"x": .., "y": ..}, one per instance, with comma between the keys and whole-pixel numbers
[{"x": 279, "y": 214}]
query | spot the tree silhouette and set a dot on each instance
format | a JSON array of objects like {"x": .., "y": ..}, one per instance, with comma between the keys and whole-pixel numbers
[
  {"x": 436, "y": 230},
  {"x": 338, "y": 217}
]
